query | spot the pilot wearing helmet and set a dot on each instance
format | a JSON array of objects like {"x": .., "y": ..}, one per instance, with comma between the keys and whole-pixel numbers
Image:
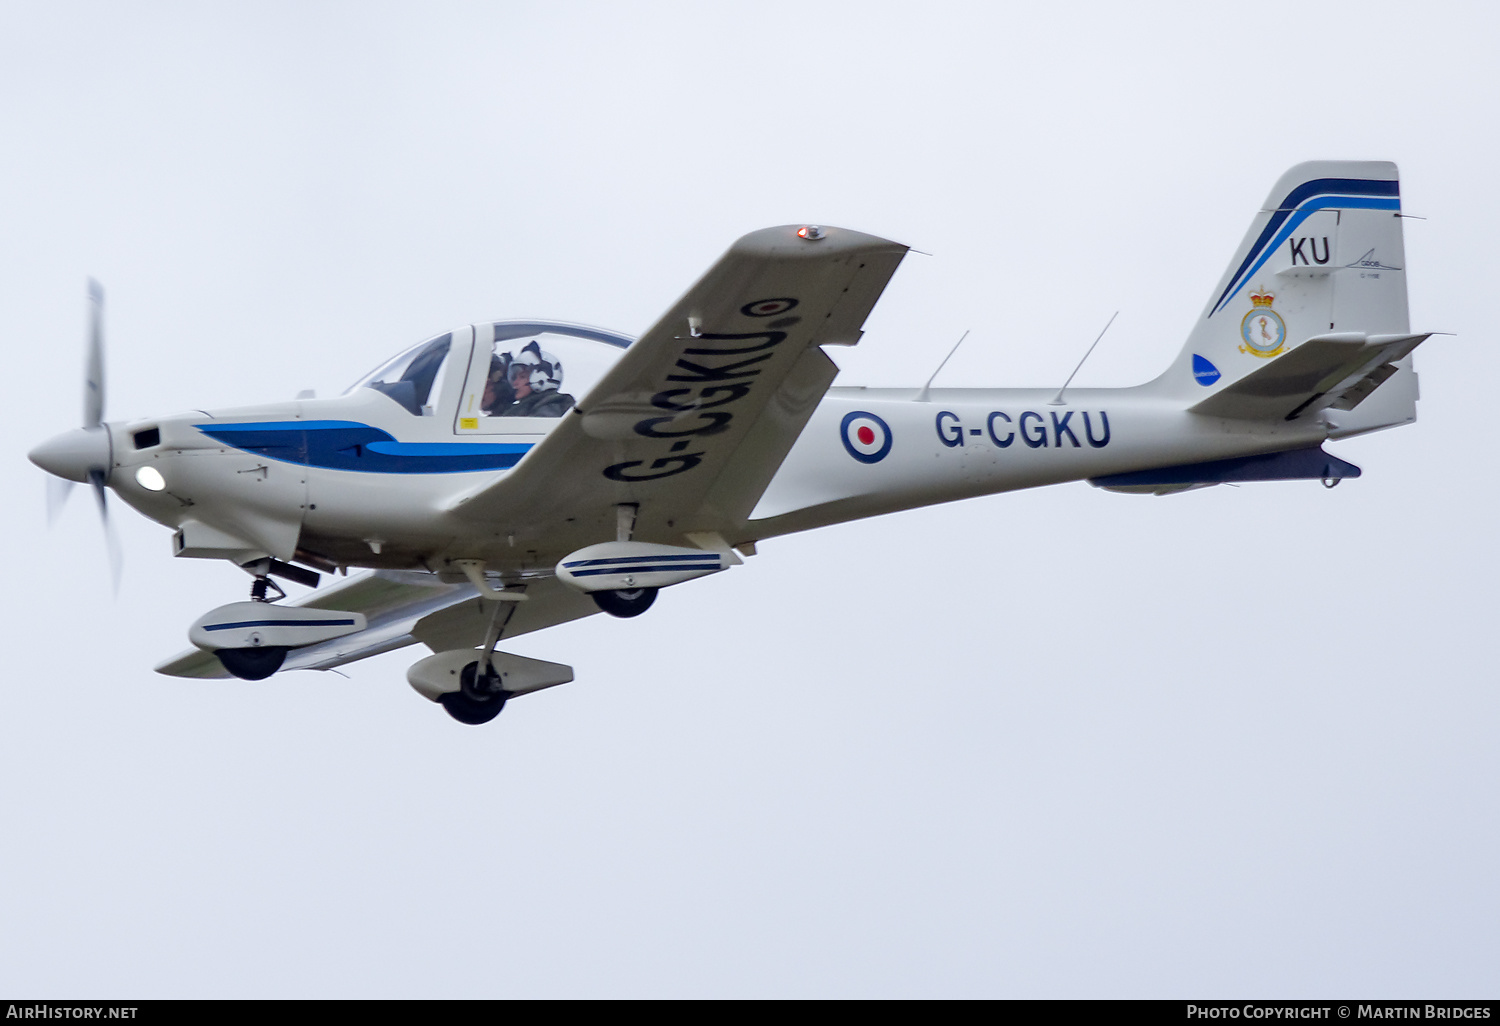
[
  {"x": 498, "y": 394},
  {"x": 536, "y": 378}
]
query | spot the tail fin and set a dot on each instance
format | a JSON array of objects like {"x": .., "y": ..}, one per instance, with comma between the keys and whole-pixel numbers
[{"x": 1324, "y": 255}]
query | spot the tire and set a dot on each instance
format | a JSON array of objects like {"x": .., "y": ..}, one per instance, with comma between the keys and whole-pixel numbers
[
  {"x": 474, "y": 702},
  {"x": 472, "y": 711},
  {"x": 252, "y": 663},
  {"x": 625, "y": 603}
]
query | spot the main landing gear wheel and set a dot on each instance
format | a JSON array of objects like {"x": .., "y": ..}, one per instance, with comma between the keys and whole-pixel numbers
[
  {"x": 252, "y": 663},
  {"x": 626, "y": 603},
  {"x": 478, "y": 699}
]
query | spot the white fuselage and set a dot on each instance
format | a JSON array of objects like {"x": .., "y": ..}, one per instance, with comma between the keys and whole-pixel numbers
[
  {"x": 951, "y": 444},
  {"x": 960, "y": 443}
]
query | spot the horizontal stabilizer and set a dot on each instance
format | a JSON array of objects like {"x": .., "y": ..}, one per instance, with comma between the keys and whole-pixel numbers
[
  {"x": 1293, "y": 465},
  {"x": 1338, "y": 371}
]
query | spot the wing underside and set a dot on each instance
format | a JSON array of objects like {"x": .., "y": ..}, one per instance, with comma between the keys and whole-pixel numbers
[
  {"x": 697, "y": 416},
  {"x": 405, "y": 607}
]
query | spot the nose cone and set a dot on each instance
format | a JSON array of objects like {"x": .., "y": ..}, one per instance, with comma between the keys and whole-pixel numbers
[{"x": 73, "y": 454}]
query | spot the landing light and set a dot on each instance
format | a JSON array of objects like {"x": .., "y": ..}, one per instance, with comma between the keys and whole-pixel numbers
[{"x": 150, "y": 479}]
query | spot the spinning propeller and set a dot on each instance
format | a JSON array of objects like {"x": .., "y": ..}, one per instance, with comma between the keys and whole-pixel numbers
[{"x": 85, "y": 454}]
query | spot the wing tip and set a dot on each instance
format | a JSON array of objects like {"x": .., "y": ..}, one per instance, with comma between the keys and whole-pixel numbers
[{"x": 812, "y": 241}]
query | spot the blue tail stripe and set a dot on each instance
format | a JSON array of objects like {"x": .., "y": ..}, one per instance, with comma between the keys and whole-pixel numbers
[{"x": 1336, "y": 192}]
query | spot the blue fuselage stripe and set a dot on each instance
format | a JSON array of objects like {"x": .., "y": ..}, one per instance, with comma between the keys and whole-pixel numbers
[{"x": 350, "y": 445}]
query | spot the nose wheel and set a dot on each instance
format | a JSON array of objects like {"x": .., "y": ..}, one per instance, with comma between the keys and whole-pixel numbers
[
  {"x": 260, "y": 661},
  {"x": 478, "y": 699}
]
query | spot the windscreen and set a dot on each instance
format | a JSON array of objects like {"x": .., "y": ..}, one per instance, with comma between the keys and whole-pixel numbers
[{"x": 407, "y": 379}]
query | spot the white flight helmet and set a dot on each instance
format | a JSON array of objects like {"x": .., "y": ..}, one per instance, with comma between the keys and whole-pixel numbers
[{"x": 545, "y": 369}]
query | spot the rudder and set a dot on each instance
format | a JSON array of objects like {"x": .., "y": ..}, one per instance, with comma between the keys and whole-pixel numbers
[{"x": 1324, "y": 254}]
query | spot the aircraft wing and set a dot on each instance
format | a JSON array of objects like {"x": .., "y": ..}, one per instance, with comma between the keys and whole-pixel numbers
[
  {"x": 403, "y": 607},
  {"x": 691, "y": 424},
  {"x": 1336, "y": 371},
  {"x": 697, "y": 416}
]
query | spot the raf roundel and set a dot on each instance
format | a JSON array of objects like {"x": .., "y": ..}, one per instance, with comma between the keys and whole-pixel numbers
[
  {"x": 866, "y": 437},
  {"x": 768, "y": 307}
]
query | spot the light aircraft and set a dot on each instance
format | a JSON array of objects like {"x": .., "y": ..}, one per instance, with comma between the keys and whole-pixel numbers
[{"x": 504, "y": 477}]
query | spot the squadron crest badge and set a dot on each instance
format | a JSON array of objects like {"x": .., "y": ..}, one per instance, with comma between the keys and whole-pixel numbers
[{"x": 1263, "y": 330}]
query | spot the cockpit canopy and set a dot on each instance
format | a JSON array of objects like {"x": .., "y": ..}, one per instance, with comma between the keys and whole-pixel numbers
[
  {"x": 408, "y": 377},
  {"x": 528, "y": 368}
]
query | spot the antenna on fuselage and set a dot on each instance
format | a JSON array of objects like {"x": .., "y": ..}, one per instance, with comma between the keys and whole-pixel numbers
[
  {"x": 922, "y": 396},
  {"x": 1058, "y": 400}
]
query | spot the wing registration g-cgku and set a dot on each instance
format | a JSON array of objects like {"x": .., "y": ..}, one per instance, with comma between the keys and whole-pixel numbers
[{"x": 696, "y": 417}]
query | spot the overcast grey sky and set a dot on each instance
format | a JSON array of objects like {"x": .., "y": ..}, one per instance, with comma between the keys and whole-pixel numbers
[{"x": 1058, "y": 743}]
